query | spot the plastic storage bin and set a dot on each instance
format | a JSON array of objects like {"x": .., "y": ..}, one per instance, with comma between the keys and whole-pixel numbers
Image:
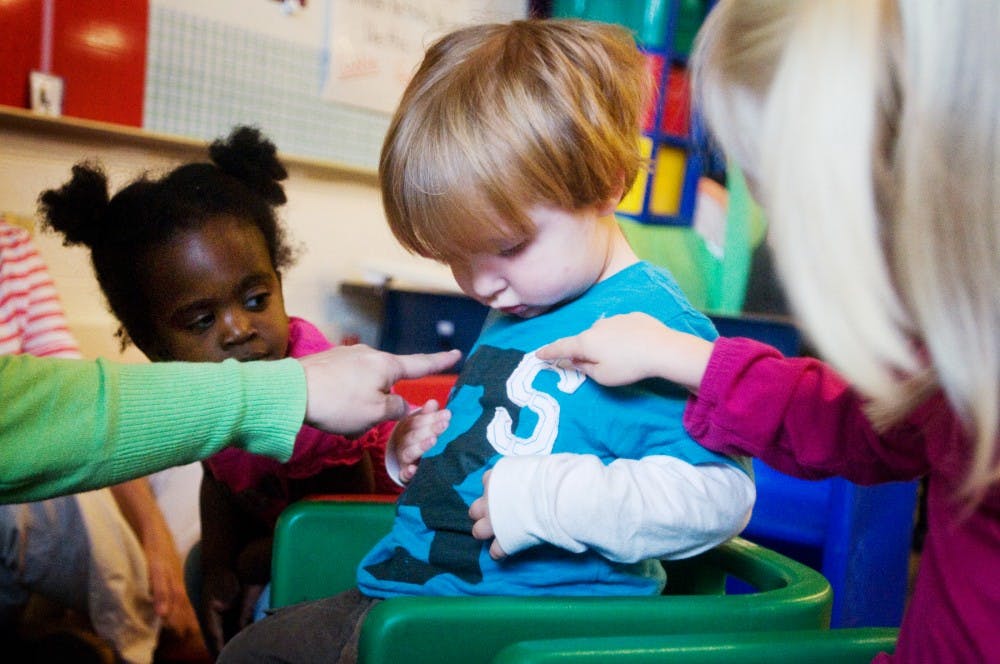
[
  {"x": 424, "y": 322},
  {"x": 664, "y": 30},
  {"x": 859, "y": 537}
]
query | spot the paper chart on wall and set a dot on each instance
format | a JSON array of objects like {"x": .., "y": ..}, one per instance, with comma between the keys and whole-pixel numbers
[{"x": 375, "y": 45}]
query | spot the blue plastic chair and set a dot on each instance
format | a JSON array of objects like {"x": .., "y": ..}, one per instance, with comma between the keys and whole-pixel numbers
[{"x": 858, "y": 537}]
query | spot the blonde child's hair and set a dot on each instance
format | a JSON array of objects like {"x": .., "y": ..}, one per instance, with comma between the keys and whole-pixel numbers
[
  {"x": 870, "y": 131},
  {"x": 501, "y": 117}
]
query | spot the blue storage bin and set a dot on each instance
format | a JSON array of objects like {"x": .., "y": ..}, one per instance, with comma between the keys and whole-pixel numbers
[
  {"x": 858, "y": 537},
  {"x": 425, "y": 322}
]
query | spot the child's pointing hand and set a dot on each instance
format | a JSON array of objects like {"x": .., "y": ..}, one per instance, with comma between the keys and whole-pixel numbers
[{"x": 628, "y": 348}]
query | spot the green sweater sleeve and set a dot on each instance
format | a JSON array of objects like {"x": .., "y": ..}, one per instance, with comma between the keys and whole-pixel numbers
[{"x": 74, "y": 425}]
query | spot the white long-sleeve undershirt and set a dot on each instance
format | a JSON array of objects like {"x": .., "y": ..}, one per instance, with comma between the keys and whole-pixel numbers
[{"x": 628, "y": 510}]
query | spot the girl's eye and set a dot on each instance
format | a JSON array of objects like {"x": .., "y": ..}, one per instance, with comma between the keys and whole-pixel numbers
[
  {"x": 201, "y": 323},
  {"x": 257, "y": 301},
  {"x": 513, "y": 250}
]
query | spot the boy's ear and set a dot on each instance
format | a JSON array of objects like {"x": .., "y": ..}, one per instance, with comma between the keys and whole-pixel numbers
[{"x": 609, "y": 206}]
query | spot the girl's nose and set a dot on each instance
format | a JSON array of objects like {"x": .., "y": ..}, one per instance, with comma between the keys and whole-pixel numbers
[{"x": 237, "y": 328}]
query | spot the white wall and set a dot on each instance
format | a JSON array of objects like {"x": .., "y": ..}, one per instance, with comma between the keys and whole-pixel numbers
[{"x": 335, "y": 215}]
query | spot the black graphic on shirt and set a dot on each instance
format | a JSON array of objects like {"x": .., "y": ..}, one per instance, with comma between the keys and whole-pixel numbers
[{"x": 453, "y": 549}]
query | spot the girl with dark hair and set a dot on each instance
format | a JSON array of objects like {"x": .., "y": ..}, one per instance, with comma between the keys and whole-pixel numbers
[{"x": 191, "y": 265}]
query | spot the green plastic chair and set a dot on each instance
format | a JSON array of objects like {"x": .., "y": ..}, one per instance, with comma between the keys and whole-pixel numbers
[
  {"x": 836, "y": 646},
  {"x": 318, "y": 544}
]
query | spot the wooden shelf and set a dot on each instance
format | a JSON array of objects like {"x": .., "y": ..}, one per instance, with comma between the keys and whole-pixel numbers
[{"x": 76, "y": 128}]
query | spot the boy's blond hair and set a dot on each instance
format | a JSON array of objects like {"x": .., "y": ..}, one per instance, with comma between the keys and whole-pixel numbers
[
  {"x": 871, "y": 129},
  {"x": 501, "y": 117}
]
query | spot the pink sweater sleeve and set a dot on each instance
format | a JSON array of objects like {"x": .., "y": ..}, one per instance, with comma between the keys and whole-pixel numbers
[{"x": 797, "y": 415}]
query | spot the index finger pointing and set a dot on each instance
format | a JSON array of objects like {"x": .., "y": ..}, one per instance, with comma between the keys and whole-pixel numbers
[
  {"x": 422, "y": 364},
  {"x": 558, "y": 349}
]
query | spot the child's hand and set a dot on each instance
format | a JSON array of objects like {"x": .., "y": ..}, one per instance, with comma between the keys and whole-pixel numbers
[
  {"x": 482, "y": 527},
  {"x": 415, "y": 434},
  {"x": 170, "y": 600},
  {"x": 631, "y": 347},
  {"x": 220, "y": 592},
  {"x": 349, "y": 388}
]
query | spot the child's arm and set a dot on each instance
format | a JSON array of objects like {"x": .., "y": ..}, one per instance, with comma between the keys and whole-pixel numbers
[
  {"x": 628, "y": 348},
  {"x": 413, "y": 435},
  {"x": 629, "y": 510},
  {"x": 220, "y": 544},
  {"x": 796, "y": 414},
  {"x": 138, "y": 505}
]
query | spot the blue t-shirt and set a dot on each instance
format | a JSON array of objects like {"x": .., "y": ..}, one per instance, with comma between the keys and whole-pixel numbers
[{"x": 508, "y": 402}]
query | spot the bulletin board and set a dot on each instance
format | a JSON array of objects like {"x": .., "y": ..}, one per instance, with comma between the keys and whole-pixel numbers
[
  {"x": 208, "y": 70},
  {"x": 205, "y": 74}
]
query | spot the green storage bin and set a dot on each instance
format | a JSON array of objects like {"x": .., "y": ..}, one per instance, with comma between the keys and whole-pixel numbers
[
  {"x": 648, "y": 19},
  {"x": 690, "y": 15}
]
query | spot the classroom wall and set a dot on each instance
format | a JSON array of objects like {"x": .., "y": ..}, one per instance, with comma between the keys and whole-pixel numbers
[
  {"x": 335, "y": 216},
  {"x": 333, "y": 212}
]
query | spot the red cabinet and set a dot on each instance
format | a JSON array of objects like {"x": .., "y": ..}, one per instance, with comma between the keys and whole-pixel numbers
[{"x": 97, "y": 47}]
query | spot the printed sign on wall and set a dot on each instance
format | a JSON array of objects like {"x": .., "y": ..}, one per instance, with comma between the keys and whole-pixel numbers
[{"x": 374, "y": 46}]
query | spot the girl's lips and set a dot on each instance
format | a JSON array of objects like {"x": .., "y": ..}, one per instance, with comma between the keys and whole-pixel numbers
[
  {"x": 253, "y": 357},
  {"x": 514, "y": 311}
]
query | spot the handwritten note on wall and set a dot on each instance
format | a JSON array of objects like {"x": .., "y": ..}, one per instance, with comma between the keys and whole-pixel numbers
[{"x": 375, "y": 45}]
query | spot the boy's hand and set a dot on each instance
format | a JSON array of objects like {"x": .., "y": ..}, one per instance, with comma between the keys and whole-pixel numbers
[
  {"x": 482, "y": 527},
  {"x": 628, "y": 348},
  {"x": 415, "y": 434}
]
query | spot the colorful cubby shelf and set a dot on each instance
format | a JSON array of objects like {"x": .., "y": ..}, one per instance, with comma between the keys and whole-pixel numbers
[{"x": 664, "y": 30}]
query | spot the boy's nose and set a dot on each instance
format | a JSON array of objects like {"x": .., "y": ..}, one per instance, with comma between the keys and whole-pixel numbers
[{"x": 487, "y": 285}]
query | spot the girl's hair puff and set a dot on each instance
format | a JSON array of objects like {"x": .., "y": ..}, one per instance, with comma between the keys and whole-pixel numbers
[
  {"x": 501, "y": 117},
  {"x": 242, "y": 182},
  {"x": 870, "y": 130}
]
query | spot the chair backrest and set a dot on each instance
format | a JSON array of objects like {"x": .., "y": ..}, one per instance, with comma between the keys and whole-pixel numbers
[
  {"x": 318, "y": 544},
  {"x": 317, "y": 547}
]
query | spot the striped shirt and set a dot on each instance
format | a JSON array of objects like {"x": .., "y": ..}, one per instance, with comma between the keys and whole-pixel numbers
[{"x": 31, "y": 317}]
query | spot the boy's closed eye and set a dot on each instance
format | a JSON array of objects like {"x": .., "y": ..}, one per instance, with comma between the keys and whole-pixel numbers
[{"x": 513, "y": 249}]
